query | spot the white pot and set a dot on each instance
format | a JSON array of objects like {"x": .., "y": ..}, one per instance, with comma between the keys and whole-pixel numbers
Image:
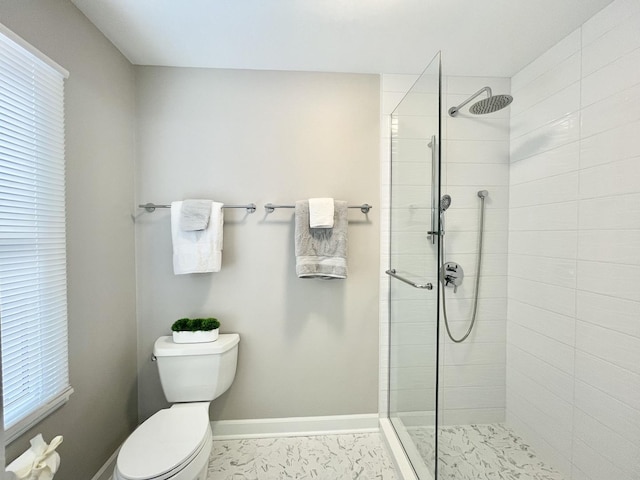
[{"x": 199, "y": 336}]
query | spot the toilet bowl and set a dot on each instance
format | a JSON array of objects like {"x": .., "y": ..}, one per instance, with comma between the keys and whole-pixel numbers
[{"x": 175, "y": 443}]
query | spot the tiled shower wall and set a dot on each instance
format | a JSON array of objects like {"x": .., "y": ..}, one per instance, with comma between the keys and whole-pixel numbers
[
  {"x": 573, "y": 341},
  {"x": 475, "y": 154}
]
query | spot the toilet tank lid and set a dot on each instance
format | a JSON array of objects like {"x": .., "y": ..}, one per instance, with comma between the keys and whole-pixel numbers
[{"x": 165, "y": 346}]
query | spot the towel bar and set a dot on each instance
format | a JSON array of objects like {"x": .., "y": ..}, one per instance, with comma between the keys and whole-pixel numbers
[
  {"x": 392, "y": 273},
  {"x": 270, "y": 207},
  {"x": 151, "y": 207}
]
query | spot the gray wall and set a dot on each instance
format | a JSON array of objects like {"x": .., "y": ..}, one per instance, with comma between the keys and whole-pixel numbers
[
  {"x": 308, "y": 347},
  {"x": 101, "y": 276}
]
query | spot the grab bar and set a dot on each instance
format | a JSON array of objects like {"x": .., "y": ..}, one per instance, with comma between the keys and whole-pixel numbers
[
  {"x": 392, "y": 273},
  {"x": 435, "y": 194}
]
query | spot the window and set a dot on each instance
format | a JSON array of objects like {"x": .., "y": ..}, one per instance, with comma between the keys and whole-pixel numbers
[{"x": 33, "y": 279}]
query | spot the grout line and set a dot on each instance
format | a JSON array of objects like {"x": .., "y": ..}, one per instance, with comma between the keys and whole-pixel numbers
[
  {"x": 610, "y": 129},
  {"x": 544, "y": 99},
  {"x": 610, "y": 330},
  {"x": 537, "y": 332},
  {"x": 575, "y": 308},
  {"x": 604, "y": 360},
  {"x": 546, "y": 177},
  {"x": 618, "y": 92},
  {"x": 548, "y": 69}
]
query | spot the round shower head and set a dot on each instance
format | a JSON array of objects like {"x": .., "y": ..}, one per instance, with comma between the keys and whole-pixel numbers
[
  {"x": 445, "y": 203},
  {"x": 491, "y": 104}
]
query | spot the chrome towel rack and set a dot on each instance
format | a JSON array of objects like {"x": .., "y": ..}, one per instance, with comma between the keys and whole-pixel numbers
[
  {"x": 392, "y": 273},
  {"x": 151, "y": 207},
  {"x": 270, "y": 207}
]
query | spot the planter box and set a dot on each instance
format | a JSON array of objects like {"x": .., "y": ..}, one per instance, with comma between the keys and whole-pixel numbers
[{"x": 199, "y": 336}]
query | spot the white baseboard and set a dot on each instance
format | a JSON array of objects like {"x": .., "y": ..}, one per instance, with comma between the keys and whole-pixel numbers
[
  {"x": 106, "y": 472},
  {"x": 294, "y": 426}
]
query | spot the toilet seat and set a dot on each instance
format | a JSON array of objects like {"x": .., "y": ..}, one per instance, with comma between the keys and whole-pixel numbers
[{"x": 165, "y": 443}]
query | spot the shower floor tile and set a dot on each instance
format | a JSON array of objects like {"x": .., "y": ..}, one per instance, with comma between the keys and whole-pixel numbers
[
  {"x": 324, "y": 457},
  {"x": 482, "y": 452}
]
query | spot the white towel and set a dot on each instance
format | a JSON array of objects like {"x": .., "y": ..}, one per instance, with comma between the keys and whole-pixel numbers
[
  {"x": 321, "y": 211},
  {"x": 195, "y": 214},
  {"x": 197, "y": 251}
]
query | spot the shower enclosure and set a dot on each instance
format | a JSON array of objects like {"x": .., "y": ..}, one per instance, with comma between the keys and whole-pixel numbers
[
  {"x": 444, "y": 374},
  {"x": 547, "y": 384},
  {"x": 447, "y": 286}
]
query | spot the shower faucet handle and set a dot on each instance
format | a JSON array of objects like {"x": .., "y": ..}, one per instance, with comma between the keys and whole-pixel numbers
[
  {"x": 452, "y": 275},
  {"x": 450, "y": 280}
]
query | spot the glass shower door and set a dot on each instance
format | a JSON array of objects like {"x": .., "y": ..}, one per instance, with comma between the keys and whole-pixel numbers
[{"x": 413, "y": 306}]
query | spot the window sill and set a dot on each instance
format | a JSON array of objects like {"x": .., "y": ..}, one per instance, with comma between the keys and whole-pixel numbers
[{"x": 16, "y": 430}]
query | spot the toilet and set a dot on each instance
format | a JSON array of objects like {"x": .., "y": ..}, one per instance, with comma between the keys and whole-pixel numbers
[{"x": 175, "y": 442}]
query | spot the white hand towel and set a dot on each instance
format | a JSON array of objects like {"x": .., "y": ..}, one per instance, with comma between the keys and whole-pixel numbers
[
  {"x": 197, "y": 251},
  {"x": 321, "y": 211},
  {"x": 195, "y": 215}
]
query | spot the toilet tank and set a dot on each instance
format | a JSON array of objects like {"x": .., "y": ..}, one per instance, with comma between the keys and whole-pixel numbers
[{"x": 196, "y": 372}]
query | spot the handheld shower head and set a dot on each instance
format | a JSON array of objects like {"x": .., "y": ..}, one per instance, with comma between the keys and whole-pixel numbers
[
  {"x": 491, "y": 104},
  {"x": 445, "y": 202}
]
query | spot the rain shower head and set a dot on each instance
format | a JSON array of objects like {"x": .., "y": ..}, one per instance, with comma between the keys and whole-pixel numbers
[
  {"x": 491, "y": 104},
  {"x": 445, "y": 202}
]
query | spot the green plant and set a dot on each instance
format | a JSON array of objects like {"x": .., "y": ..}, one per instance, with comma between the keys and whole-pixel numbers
[{"x": 195, "y": 324}]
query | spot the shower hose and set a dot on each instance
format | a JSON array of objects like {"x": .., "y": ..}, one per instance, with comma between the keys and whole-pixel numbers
[{"x": 477, "y": 279}]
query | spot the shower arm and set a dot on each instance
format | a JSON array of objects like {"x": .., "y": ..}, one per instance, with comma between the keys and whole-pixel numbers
[{"x": 453, "y": 111}]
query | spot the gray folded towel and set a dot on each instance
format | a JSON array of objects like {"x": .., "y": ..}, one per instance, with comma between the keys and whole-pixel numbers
[
  {"x": 321, "y": 252},
  {"x": 195, "y": 215}
]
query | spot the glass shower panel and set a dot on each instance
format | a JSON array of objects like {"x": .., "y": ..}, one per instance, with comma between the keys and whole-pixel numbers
[{"x": 413, "y": 307}]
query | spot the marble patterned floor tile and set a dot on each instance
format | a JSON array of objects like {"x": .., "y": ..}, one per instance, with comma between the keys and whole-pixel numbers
[
  {"x": 325, "y": 457},
  {"x": 481, "y": 452}
]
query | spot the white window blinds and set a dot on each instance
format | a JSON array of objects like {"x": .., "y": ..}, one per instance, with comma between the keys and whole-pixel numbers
[{"x": 33, "y": 281}]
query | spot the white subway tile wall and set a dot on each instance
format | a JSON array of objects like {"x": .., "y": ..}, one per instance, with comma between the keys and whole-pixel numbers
[
  {"x": 476, "y": 157},
  {"x": 573, "y": 334}
]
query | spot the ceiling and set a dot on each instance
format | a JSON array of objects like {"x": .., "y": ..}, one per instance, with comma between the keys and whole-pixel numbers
[{"x": 477, "y": 37}]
